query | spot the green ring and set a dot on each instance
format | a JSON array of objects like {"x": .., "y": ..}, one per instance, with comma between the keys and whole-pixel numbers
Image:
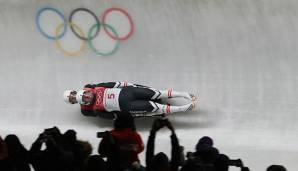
[{"x": 92, "y": 46}]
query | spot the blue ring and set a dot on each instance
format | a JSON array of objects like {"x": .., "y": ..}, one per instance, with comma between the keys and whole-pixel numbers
[{"x": 38, "y": 24}]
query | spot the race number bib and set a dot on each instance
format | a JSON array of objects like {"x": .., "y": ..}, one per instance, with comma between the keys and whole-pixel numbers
[{"x": 111, "y": 99}]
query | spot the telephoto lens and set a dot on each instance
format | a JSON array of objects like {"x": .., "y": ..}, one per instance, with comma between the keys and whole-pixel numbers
[{"x": 101, "y": 134}]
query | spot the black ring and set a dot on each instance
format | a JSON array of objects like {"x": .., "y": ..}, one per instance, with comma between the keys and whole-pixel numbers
[{"x": 88, "y": 11}]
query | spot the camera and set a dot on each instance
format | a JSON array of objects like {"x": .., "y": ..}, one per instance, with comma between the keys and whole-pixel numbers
[
  {"x": 44, "y": 137},
  {"x": 101, "y": 134},
  {"x": 51, "y": 131},
  {"x": 238, "y": 163}
]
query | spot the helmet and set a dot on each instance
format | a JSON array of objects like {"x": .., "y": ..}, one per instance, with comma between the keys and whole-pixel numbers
[
  {"x": 66, "y": 95},
  {"x": 79, "y": 97}
]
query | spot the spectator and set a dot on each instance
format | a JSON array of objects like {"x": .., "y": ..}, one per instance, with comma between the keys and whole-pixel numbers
[
  {"x": 18, "y": 154},
  {"x": 3, "y": 149},
  {"x": 203, "y": 158},
  {"x": 207, "y": 157},
  {"x": 71, "y": 144},
  {"x": 122, "y": 145},
  {"x": 160, "y": 161},
  {"x": 5, "y": 163},
  {"x": 87, "y": 148},
  {"x": 276, "y": 168},
  {"x": 94, "y": 163},
  {"x": 53, "y": 157},
  {"x": 223, "y": 162},
  {"x": 55, "y": 133},
  {"x": 205, "y": 150}
]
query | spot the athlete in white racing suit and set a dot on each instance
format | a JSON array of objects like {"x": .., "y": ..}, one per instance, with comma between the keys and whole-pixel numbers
[{"x": 107, "y": 99}]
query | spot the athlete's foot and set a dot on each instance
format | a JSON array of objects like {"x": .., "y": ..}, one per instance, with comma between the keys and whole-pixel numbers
[
  {"x": 188, "y": 96},
  {"x": 193, "y": 97},
  {"x": 191, "y": 107}
]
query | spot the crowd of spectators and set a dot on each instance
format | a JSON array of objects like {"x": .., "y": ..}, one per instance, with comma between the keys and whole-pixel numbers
[{"x": 117, "y": 151}]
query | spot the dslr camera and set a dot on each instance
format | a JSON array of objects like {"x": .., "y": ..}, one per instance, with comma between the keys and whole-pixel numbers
[
  {"x": 102, "y": 134},
  {"x": 238, "y": 163},
  {"x": 48, "y": 133}
]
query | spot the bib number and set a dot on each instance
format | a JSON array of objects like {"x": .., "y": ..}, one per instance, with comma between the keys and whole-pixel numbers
[{"x": 111, "y": 96}]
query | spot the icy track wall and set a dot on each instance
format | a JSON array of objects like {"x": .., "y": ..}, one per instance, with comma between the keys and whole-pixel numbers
[{"x": 240, "y": 56}]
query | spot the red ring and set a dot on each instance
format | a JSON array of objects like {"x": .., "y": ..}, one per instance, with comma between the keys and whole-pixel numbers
[{"x": 130, "y": 22}]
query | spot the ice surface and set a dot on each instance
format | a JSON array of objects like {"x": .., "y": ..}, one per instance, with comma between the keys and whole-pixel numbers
[{"x": 239, "y": 56}]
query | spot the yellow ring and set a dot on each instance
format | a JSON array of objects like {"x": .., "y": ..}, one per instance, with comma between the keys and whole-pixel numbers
[{"x": 58, "y": 44}]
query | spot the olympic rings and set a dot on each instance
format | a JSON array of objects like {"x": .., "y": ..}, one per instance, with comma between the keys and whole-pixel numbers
[
  {"x": 55, "y": 11},
  {"x": 78, "y": 32},
  {"x": 92, "y": 46},
  {"x": 93, "y": 15},
  {"x": 82, "y": 47},
  {"x": 126, "y": 14}
]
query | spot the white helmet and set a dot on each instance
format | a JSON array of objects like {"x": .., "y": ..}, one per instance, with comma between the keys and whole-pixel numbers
[
  {"x": 79, "y": 97},
  {"x": 66, "y": 95}
]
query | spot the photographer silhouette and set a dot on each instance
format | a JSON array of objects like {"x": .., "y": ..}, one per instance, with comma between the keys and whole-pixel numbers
[{"x": 161, "y": 161}]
